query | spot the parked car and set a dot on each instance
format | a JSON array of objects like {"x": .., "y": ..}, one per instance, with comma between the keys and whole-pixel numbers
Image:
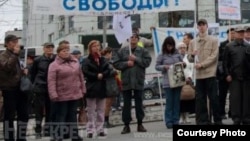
[{"x": 151, "y": 89}]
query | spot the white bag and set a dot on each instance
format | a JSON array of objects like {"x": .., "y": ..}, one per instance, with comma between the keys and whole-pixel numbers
[{"x": 176, "y": 75}]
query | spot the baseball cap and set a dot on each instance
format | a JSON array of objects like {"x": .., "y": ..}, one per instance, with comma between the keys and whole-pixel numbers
[
  {"x": 239, "y": 28},
  {"x": 48, "y": 44},
  {"x": 10, "y": 37},
  {"x": 204, "y": 21},
  {"x": 76, "y": 52}
]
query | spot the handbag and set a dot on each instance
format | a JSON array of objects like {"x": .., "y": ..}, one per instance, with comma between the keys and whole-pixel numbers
[
  {"x": 187, "y": 92},
  {"x": 112, "y": 88},
  {"x": 25, "y": 84}
]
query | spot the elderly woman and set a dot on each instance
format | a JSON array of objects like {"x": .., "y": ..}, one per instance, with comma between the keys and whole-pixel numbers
[
  {"x": 186, "y": 106},
  {"x": 66, "y": 86},
  {"x": 96, "y": 69}
]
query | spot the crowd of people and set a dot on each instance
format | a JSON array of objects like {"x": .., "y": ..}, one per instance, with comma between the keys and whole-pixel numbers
[{"x": 64, "y": 82}]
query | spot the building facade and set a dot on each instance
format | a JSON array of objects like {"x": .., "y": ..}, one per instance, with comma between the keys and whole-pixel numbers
[{"x": 38, "y": 29}]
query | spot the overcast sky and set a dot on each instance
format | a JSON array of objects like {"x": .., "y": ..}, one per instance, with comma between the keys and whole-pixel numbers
[{"x": 10, "y": 17}]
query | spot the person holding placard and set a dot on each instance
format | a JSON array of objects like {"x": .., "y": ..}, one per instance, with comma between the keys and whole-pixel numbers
[{"x": 169, "y": 57}]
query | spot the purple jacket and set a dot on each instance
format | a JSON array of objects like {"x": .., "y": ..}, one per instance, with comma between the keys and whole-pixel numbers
[
  {"x": 167, "y": 59},
  {"x": 65, "y": 80}
]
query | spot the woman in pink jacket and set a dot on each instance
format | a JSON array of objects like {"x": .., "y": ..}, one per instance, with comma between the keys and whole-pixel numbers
[{"x": 66, "y": 86}]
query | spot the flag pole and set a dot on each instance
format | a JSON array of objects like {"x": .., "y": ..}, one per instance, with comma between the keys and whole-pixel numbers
[
  {"x": 158, "y": 75},
  {"x": 195, "y": 44}
]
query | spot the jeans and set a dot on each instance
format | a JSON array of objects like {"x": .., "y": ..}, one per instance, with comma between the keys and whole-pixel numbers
[{"x": 172, "y": 110}]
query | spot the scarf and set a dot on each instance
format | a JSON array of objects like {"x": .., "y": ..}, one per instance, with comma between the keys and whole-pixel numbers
[{"x": 96, "y": 57}]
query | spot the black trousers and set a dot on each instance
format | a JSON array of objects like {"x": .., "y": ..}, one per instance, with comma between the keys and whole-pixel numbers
[
  {"x": 240, "y": 101},
  {"x": 126, "y": 111},
  {"x": 41, "y": 101},
  {"x": 15, "y": 104},
  {"x": 207, "y": 88},
  {"x": 223, "y": 90},
  {"x": 65, "y": 120}
]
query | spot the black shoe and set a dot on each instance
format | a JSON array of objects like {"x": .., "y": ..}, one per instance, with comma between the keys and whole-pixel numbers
[
  {"x": 126, "y": 130},
  {"x": 46, "y": 134},
  {"x": 90, "y": 135},
  {"x": 218, "y": 123},
  {"x": 102, "y": 135},
  {"x": 108, "y": 125},
  {"x": 78, "y": 139},
  {"x": 223, "y": 117},
  {"x": 170, "y": 126},
  {"x": 140, "y": 128},
  {"x": 66, "y": 136},
  {"x": 38, "y": 135}
]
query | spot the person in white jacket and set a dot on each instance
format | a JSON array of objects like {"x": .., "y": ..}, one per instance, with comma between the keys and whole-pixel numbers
[{"x": 186, "y": 106}]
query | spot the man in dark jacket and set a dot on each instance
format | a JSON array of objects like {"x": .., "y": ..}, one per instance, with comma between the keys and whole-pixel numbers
[
  {"x": 39, "y": 74},
  {"x": 237, "y": 74},
  {"x": 15, "y": 101},
  {"x": 223, "y": 84},
  {"x": 133, "y": 68}
]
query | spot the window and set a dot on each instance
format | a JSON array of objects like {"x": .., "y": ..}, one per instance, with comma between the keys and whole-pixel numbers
[
  {"x": 245, "y": 10},
  {"x": 51, "y": 18},
  {"x": 71, "y": 24},
  {"x": 176, "y": 19},
  {"x": 135, "y": 20},
  {"x": 51, "y": 37}
]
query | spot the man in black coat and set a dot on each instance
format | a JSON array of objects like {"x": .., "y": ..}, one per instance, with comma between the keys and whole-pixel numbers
[
  {"x": 235, "y": 65},
  {"x": 39, "y": 74},
  {"x": 223, "y": 84}
]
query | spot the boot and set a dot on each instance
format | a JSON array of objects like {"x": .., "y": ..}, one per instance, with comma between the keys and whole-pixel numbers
[
  {"x": 140, "y": 128},
  {"x": 107, "y": 124},
  {"x": 126, "y": 129},
  {"x": 82, "y": 117}
]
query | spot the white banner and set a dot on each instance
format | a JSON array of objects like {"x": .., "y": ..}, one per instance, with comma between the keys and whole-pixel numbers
[
  {"x": 229, "y": 9},
  {"x": 122, "y": 27},
  {"x": 159, "y": 34},
  {"x": 108, "y": 7}
]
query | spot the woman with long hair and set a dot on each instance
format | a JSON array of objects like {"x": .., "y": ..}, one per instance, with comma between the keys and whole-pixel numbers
[
  {"x": 95, "y": 69},
  {"x": 165, "y": 60}
]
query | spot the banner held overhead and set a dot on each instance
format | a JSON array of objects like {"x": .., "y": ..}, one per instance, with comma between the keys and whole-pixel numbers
[{"x": 108, "y": 7}]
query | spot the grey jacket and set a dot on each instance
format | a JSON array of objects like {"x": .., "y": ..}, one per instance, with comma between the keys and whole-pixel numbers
[
  {"x": 167, "y": 59},
  {"x": 132, "y": 77}
]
